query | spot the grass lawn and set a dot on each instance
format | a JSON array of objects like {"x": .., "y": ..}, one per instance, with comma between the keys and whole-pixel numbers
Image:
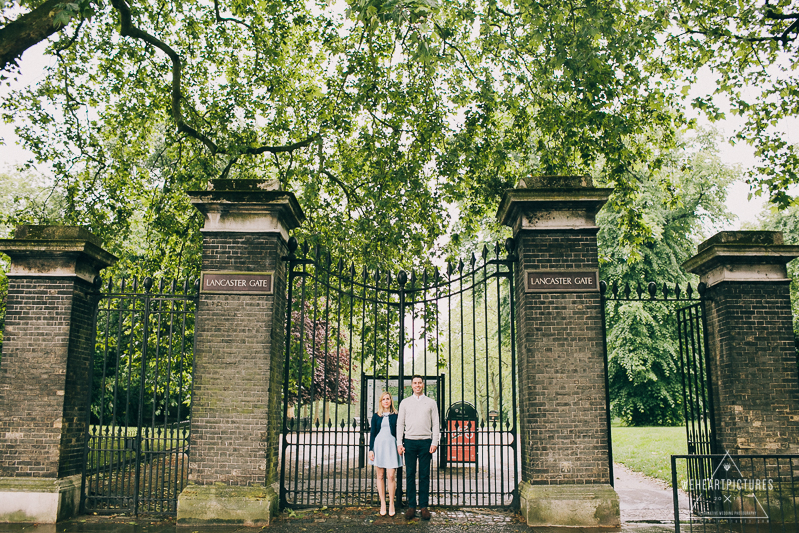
[{"x": 649, "y": 449}]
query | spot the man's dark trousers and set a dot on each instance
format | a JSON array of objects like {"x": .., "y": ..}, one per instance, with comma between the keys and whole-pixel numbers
[{"x": 418, "y": 450}]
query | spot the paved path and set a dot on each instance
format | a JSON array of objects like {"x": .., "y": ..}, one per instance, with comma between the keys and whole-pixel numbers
[{"x": 644, "y": 499}]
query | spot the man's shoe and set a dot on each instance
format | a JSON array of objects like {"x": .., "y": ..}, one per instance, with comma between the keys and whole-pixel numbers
[
  {"x": 411, "y": 513},
  {"x": 425, "y": 512}
]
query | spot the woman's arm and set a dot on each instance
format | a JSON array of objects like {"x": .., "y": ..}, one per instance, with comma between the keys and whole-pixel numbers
[{"x": 373, "y": 429}]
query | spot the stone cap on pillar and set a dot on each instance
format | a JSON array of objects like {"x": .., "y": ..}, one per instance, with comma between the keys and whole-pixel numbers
[
  {"x": 742, "y": 256},
  {"x": 248, "y": 206},
  {"x": 552, "y": 203},
  {"x": 55, "y": 251}
]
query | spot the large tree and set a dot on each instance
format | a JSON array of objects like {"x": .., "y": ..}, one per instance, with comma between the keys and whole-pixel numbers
[
  {"x": 786, "y": 221},
  {"x": 643, "y": 356},
  {"x": 379, "y": 120}
]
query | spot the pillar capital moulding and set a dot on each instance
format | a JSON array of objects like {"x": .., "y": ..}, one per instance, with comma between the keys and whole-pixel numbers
[
  {"x": 742, "y": 256},
  {"x": 55, "y": 251},
  {"x": 247, "y": 206},
  {"x": 550, "y": 203}
]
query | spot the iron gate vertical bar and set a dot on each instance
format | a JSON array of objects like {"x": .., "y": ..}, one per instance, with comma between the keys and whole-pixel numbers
[
  {"x": 449, "y": 360},
  {"x": 166, "y": 437},
  {"x": 350, "y": 419},
  {"x": 675, "y": 494},
  {"x": 402, "y": 278},
  {"x": 131, "y": 350},
  {"x": 82, "y": 504},
  {"x": 146, "y": 324},
  {"x": 603, "y": 317},
  {"x": 706, "y": 354},
  {"x": 375, "y": 361},
  {"x": 307, "y": 433},
  {"x": 150, "y": 445},
  {"x": 325, "y": 493},
  {"x": 364, "y": 422},
  {"x": 459, "y": 424},
  {"x": 510, "y": 246},
  {"x": 338, "y": 430},
  {"x": 180, "y": 442},
  {"x": 185, "y": 462},
  {"x": 300, "y": 475},
  {"x": 683, "y": 370},
  {"x": 493, "y": 427},
  {"x": 473, "y": 490},
  {"x": 485, "y": 424},
  {"x": 694, "y": 377},
  {"x": 317, "y": 264},
  {"x": 286, "y": 371}
]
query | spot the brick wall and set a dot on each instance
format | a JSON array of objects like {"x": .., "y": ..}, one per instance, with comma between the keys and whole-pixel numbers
[
  {"x": 238, "y": 374},
  {"x": 753, "y": 366},
  {"x": 562, "y": 405},
  {"x": 44, "y": 376}
]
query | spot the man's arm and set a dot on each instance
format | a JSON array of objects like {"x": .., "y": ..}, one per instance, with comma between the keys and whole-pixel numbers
[
  {"x": 436, "y": 428},
  {"x": 401, "y": 428}
]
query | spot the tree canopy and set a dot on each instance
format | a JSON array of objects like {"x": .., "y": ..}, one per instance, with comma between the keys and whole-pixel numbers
[
  {"x": 385, "y": 118},
  {"x": 751, "y": 48},
  {"x": 643, "y": 356},
  {"x": 786, "y": 221}
]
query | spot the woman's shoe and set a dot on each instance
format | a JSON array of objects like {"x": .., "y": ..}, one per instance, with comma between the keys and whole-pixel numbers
[
  {"x": 392, "y": 512},
  {"x": 382, "y": 510}
]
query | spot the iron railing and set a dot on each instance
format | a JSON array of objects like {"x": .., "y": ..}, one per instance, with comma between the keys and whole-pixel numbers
[
  {"x": 346, "y": 326},
  {"x": 737, "y": 493},
  {"x": 137, "y": 440}
]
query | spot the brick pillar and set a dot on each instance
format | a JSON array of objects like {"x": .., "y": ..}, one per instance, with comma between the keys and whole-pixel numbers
[
  {"x": 238, "y": 377},
  {"x": 45, "y": 369},
  {"x": 564, "y": 427},
  {"x": 751, "y": 350}
]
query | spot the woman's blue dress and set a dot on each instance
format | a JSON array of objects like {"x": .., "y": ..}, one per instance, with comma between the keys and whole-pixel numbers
[{"x": 385, "y": 448}]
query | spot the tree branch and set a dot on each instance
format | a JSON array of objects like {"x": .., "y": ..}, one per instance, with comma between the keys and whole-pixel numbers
[
  {"x": 25, "y": 31},
  {"x": 127, "y": 29},
  {"x": 74, "y": 38},
  {"x": 463, "y": 58},
  {"x": 220, "y": 18}
]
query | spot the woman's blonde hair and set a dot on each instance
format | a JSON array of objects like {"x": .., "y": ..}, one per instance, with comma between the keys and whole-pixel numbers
[{"x": 391, "y": 409}]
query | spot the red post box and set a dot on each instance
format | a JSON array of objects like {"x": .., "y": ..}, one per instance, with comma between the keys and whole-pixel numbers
[{"x": 461, "y": 443}]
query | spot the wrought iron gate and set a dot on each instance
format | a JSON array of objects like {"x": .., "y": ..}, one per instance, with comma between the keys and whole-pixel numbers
[
  {"x": 698, "y": 402},
  {"x": 352, "y": 334},
  {"x": 137, "y": 440},
  {"x": 696, "y": 385}
]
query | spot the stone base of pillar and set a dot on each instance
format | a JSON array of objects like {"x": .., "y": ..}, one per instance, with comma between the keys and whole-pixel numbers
[
  {"x": 221, "y": 504},
  {"x": 569, "y": 505},
  {"x": 38, "y": 500}
]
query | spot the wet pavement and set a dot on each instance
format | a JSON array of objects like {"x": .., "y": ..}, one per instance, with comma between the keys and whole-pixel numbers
[{"x": 345, "y": 520}]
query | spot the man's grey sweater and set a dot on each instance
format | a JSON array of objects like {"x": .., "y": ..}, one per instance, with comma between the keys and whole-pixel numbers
[{"x": 418, "y": 420}]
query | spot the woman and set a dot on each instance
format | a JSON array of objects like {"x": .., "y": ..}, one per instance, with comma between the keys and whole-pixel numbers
[{"x": 383, "y": 450}]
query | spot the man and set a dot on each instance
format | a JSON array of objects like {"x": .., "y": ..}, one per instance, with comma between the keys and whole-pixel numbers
[{"x": 417, "y": 439}]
